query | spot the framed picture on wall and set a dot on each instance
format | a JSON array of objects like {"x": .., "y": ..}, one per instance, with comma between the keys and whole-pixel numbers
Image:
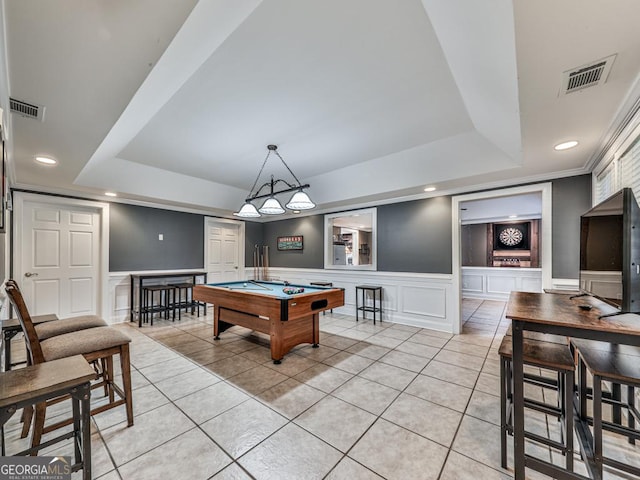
[{"x": 291, "y": 242}]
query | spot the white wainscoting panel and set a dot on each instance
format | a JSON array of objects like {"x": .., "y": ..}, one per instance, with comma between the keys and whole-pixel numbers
[
  {"x": 606, "y": 284},
  {"x": 472, "y": 282},
  {"x": 425, "y": 301},
  {"x": 500, "y": 284},
  {"x": 421, "y": 300},
  {"x": 119, "y": 293},
  {"x": 495, "y": 283},
  {"x": 531, "y": 284}
]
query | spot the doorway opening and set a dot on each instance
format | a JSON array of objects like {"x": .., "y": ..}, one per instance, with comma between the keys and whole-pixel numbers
[{"x": 480, "y": 202}]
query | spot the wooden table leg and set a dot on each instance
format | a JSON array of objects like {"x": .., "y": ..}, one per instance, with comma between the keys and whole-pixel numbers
[{"x": 518, "y": 401}]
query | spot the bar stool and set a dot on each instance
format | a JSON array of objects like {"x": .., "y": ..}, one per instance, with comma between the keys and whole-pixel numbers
[
  {"x": 323, "y": 284},
  {"x": 375, "y": 306},
  {"x": 549, "y": 356},
  {"x": 178, "y": 303},
  {"x": 149, "y": 307},
  {"x": 188, "y": 302},
  {"x": 620, "y": 365}
]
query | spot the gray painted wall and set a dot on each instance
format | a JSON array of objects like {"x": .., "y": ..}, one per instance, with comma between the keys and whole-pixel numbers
[
  {"x": 253, "y": 235},
  {"x": 415, "y": 236},
  {"x": 412, "y": 236},
  {"x": 311, "y": 228},
  {"x": 134, "y": 244},
  {"x": 571, "y": 198}
]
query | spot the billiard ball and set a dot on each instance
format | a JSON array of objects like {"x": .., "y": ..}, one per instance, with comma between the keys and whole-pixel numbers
[{"x": 244, "y": 284}]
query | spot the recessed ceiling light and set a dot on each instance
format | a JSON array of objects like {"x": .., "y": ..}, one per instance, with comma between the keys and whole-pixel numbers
[
  {"x": 513, "y": 216},
  {"x": 296, "y": 211},
  {"x": 111, "y": 194},
  {"x": 566, "y": 145},
  {"x": 429, "y": 189},
  {"x": 46, "y": 160}
]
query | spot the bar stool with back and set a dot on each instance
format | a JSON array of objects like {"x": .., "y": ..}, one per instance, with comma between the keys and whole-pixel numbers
[
  {"x": 48, "y": 326},
  {"x": 98, "y": 344}
]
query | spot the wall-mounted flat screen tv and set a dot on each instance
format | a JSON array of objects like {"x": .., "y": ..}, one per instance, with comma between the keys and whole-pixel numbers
[{"x": 610, "y": 251}]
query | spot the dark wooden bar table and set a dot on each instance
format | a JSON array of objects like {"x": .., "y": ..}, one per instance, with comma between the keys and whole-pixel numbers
[
  {"x": 561, "y": 315},
  {"x": 48, "y": 380}
]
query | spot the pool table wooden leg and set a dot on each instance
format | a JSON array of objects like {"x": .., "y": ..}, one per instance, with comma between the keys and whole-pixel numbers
[
  {"x": 316, "y": 330},
  {"x": 216, "y": 319}
]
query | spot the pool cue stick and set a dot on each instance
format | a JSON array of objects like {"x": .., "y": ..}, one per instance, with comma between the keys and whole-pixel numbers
[
  {"x": 266, "y": 267},
  {"x": 253, "y": 282},
  {"x": 255, "y": 261},
  {"x": 262, "y": 263}
]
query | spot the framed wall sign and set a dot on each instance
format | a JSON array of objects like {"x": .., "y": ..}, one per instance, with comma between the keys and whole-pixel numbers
[{"x": 292, "y": 242}]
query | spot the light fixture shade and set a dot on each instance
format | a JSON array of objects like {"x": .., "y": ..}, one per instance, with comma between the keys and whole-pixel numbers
[
  {"x": 248, "y": 210},
  {"x": 271, "y": 206},
  {"x": 300, "y": 201}
]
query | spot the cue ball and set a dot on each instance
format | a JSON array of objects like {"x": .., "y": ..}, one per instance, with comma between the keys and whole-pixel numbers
[{"x": 244, "y": 284}]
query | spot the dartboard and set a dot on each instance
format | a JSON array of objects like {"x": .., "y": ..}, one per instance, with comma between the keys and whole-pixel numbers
[{"x": 510, "y": 236}]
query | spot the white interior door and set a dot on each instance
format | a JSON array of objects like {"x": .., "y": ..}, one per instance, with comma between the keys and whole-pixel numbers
[
  {"x": 222, "y": 255},
  {"x": 59, "y": 263}
]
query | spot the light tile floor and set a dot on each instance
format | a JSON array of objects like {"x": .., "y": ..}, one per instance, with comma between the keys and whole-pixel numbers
[{"x": 374, "y": 401}]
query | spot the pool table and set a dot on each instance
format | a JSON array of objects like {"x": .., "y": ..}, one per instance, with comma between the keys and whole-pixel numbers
[{"x": 289, "y": 319}]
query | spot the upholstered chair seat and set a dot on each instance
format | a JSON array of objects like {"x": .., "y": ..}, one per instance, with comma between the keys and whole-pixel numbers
[
  {"x": 82, "y": 342},
  {"x": 68, "y": 325}
]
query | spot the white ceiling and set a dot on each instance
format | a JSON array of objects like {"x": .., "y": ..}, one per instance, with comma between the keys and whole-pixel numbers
[
  {"x": 368, "y": 100},
  {"x": 513, "y": 207}
]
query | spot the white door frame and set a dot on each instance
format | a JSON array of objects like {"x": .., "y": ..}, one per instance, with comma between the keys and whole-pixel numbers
[
  {"x": 209, "y": 221},
  {"x": 19, "y": 199},
  {"x": 546, "y": 239}
]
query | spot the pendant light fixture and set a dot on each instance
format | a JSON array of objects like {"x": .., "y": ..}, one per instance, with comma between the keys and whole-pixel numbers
[{"x": 271, "y": 206}]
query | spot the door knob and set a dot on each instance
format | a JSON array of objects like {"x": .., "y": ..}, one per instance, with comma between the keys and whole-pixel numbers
[{"x": 29, "y": 274}]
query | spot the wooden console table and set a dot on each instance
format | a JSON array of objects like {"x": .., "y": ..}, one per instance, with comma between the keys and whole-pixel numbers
[
  {"x": 38, "y": 383},
  {"x": 560, "y": 315}
]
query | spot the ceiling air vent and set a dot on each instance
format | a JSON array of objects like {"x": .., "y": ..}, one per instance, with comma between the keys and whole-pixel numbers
[
  {"x": 28, "y": 110},
  {"x": 595, "y": 73}
]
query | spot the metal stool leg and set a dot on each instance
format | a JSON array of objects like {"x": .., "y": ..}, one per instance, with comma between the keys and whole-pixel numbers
[
  {"x": 597, "y": 423},
  {"x": 631, "y": 401},
  {"x": 503, "y": 412},
  {"x": 568, "y": 382}
]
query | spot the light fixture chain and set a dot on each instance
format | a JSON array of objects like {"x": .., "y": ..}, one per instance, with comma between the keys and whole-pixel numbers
[
  {"x": 260, "y": 172},
  {"x": 285, "y": 164}
]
